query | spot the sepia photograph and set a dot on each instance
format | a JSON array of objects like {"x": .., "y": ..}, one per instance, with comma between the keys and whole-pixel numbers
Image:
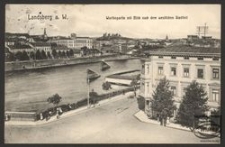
[{"x": 112, "y": 74}]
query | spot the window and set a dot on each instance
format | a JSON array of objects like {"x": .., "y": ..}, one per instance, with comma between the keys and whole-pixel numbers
[
  {"x": 215, "y": 95},
  {"x": 186, "y": 72},
  {"x": 186, "y": 58},
  {"x": 160, "y": 57},
  {"x": 147, "y": 84},
  {"x": 173, "y": 71},
  {"x": 143, "y": 69},
  {"x": 173, "y": 57},
  {"x": 147, "y": 66},
  {"x": 200, "y": 58},
  {"x": 215, "y": 73},
  {"x": 160, "y": 70},
  {"x": 184, "y": 91},
  {"x": 215, "y": 58},
  {"x": 173, "y": 89},
  {"x": 200, "y": 74}
]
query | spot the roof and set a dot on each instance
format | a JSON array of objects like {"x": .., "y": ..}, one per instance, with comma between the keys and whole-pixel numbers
[
  {"x": 7, "y": 50},
  {"x": 16, "y": 34},
  {"x": 60, "y": 38},
  {"x": 122, "y": 77},
  {"x": 60, "y": 47},
  {"x": 41, "y": 44},
  {"x": 19, "y": 46},
  {"x": 11, "y": 39},
  {"x": 83, "y": 37},
  {"x": 185, "y": 50}
]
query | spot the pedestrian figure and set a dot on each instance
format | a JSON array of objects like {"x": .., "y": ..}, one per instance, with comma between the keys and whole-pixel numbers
[
  {"x": 57, "y": 113},
  {"x": 161, "y": 119},
  {"x": 164, "y": 117},
  {"x": 41, "y": 116}
]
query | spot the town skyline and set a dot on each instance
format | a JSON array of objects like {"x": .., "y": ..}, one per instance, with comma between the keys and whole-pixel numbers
[{"x": 90, "y": 20}]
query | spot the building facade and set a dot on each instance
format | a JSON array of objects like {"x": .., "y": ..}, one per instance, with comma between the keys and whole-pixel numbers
[
  {"x": 180, "y": 66},
  {"x": 73, "y": 43},
  {"x": 42, "y": 46}
]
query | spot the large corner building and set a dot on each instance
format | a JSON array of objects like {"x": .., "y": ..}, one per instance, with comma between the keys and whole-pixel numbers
[{"x": 181, "y": 65}]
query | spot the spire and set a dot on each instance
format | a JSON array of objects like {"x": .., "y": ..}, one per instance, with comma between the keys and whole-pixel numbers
[
  {"x": 45, "y": 34},
  {"x": 167, "y": 37}
]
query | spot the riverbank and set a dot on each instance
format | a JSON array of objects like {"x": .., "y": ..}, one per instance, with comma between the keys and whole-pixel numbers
[
  {"x": 53, "y": 63},
  {"x": 72, "y": 112}
]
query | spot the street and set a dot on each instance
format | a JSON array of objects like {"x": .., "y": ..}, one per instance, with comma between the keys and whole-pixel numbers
[{"x": 111, "y": 123}]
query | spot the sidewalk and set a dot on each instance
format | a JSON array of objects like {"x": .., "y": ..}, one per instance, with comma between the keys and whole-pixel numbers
[
  {"x": 143, "y": 118},
  {"x": 72, "y": 112}
]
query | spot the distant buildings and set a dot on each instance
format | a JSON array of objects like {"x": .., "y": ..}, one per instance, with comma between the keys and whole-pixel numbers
[
  {"x": 20, "y": 47},
  {"x": 72, "y": 42},
  {"x": 181, "y": 65},
  {"x": 42, "y": 46}
]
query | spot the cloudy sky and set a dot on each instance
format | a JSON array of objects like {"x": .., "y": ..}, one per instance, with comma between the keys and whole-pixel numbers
[{"x": 90, "y": 20}]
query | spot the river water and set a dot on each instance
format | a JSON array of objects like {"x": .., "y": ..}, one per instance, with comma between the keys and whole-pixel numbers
[{"x": 28, "y": 91}]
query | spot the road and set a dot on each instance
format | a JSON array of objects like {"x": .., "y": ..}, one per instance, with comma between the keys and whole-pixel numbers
[{"x": 111, "y": 123}]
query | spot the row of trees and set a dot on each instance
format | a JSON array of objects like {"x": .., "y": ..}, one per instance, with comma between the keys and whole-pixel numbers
[
  {"x": 62, "y": 54},
  {"x": 194, "y": 103},
  {"x": 38, "y": 55}
]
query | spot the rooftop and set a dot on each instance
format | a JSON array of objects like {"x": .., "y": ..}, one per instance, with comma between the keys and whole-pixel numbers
[
  {"x": 185, "y": 50},
  {"x": 41, "y": 44},
  {"x": 60, "y": 47},
  {"x": 19, "y": 46}
]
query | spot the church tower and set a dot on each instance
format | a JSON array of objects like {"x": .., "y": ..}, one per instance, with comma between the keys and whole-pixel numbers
[{"x": 45, "y": 34}]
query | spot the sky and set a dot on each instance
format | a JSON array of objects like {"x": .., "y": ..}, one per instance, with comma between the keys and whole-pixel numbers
[{"x": 90, "y": 20}]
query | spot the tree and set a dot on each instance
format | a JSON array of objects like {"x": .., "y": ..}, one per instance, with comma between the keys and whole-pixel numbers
[
  {"x": 18, "y": 55},
  {"x": 106, "y": 86},
  {"x": 134, "y": 82},
  {"x": 49, "y": 55},
  {"x": 32, "y": 55},
  {"x": 163, "y": 99},
  {"x": 63, "y": 54},
  {"x": 85, "y": 51},
  {"x": 24, "y": 56},
  {"x": 71, "y": 53},
  {"x": 11, "y": 57},
  {"x": 55, "y": 99},
  {"x": 38, "y": 55},
  {"x": 193, "y": 104},
  {"x": 54, "y": 53},
  {"x": 60, "y": 54},
  {"x": 68, "y": 53},
  {"x": 43, "y": 55}
]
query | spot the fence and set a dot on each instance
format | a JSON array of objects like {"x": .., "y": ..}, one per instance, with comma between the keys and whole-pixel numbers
[
  {"x": 67, "y": 107},
  {"x": 20, "y": 116}
]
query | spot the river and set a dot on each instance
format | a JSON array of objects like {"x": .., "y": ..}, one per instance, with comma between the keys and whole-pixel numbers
[{"x": 28, "y": 91}]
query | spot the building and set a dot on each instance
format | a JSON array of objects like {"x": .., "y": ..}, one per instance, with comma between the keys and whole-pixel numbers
[
  {"x": 20, "y": 47},
  {"x": 64, "y": 41},
  {"x": 181, "y": 65},
  {"x": 192, "y": 37},
  {"x": 73, "y": 42},
  {"x": 61, "y": 48},
  {"x": 42, "y": 46},
  {"x": 80, "y": 42}
]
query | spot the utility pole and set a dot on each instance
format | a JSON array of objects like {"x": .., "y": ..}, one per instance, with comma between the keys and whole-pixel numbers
[
  {"x": 88, "y": 82},
  {"x": 202, "y": 30}
]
